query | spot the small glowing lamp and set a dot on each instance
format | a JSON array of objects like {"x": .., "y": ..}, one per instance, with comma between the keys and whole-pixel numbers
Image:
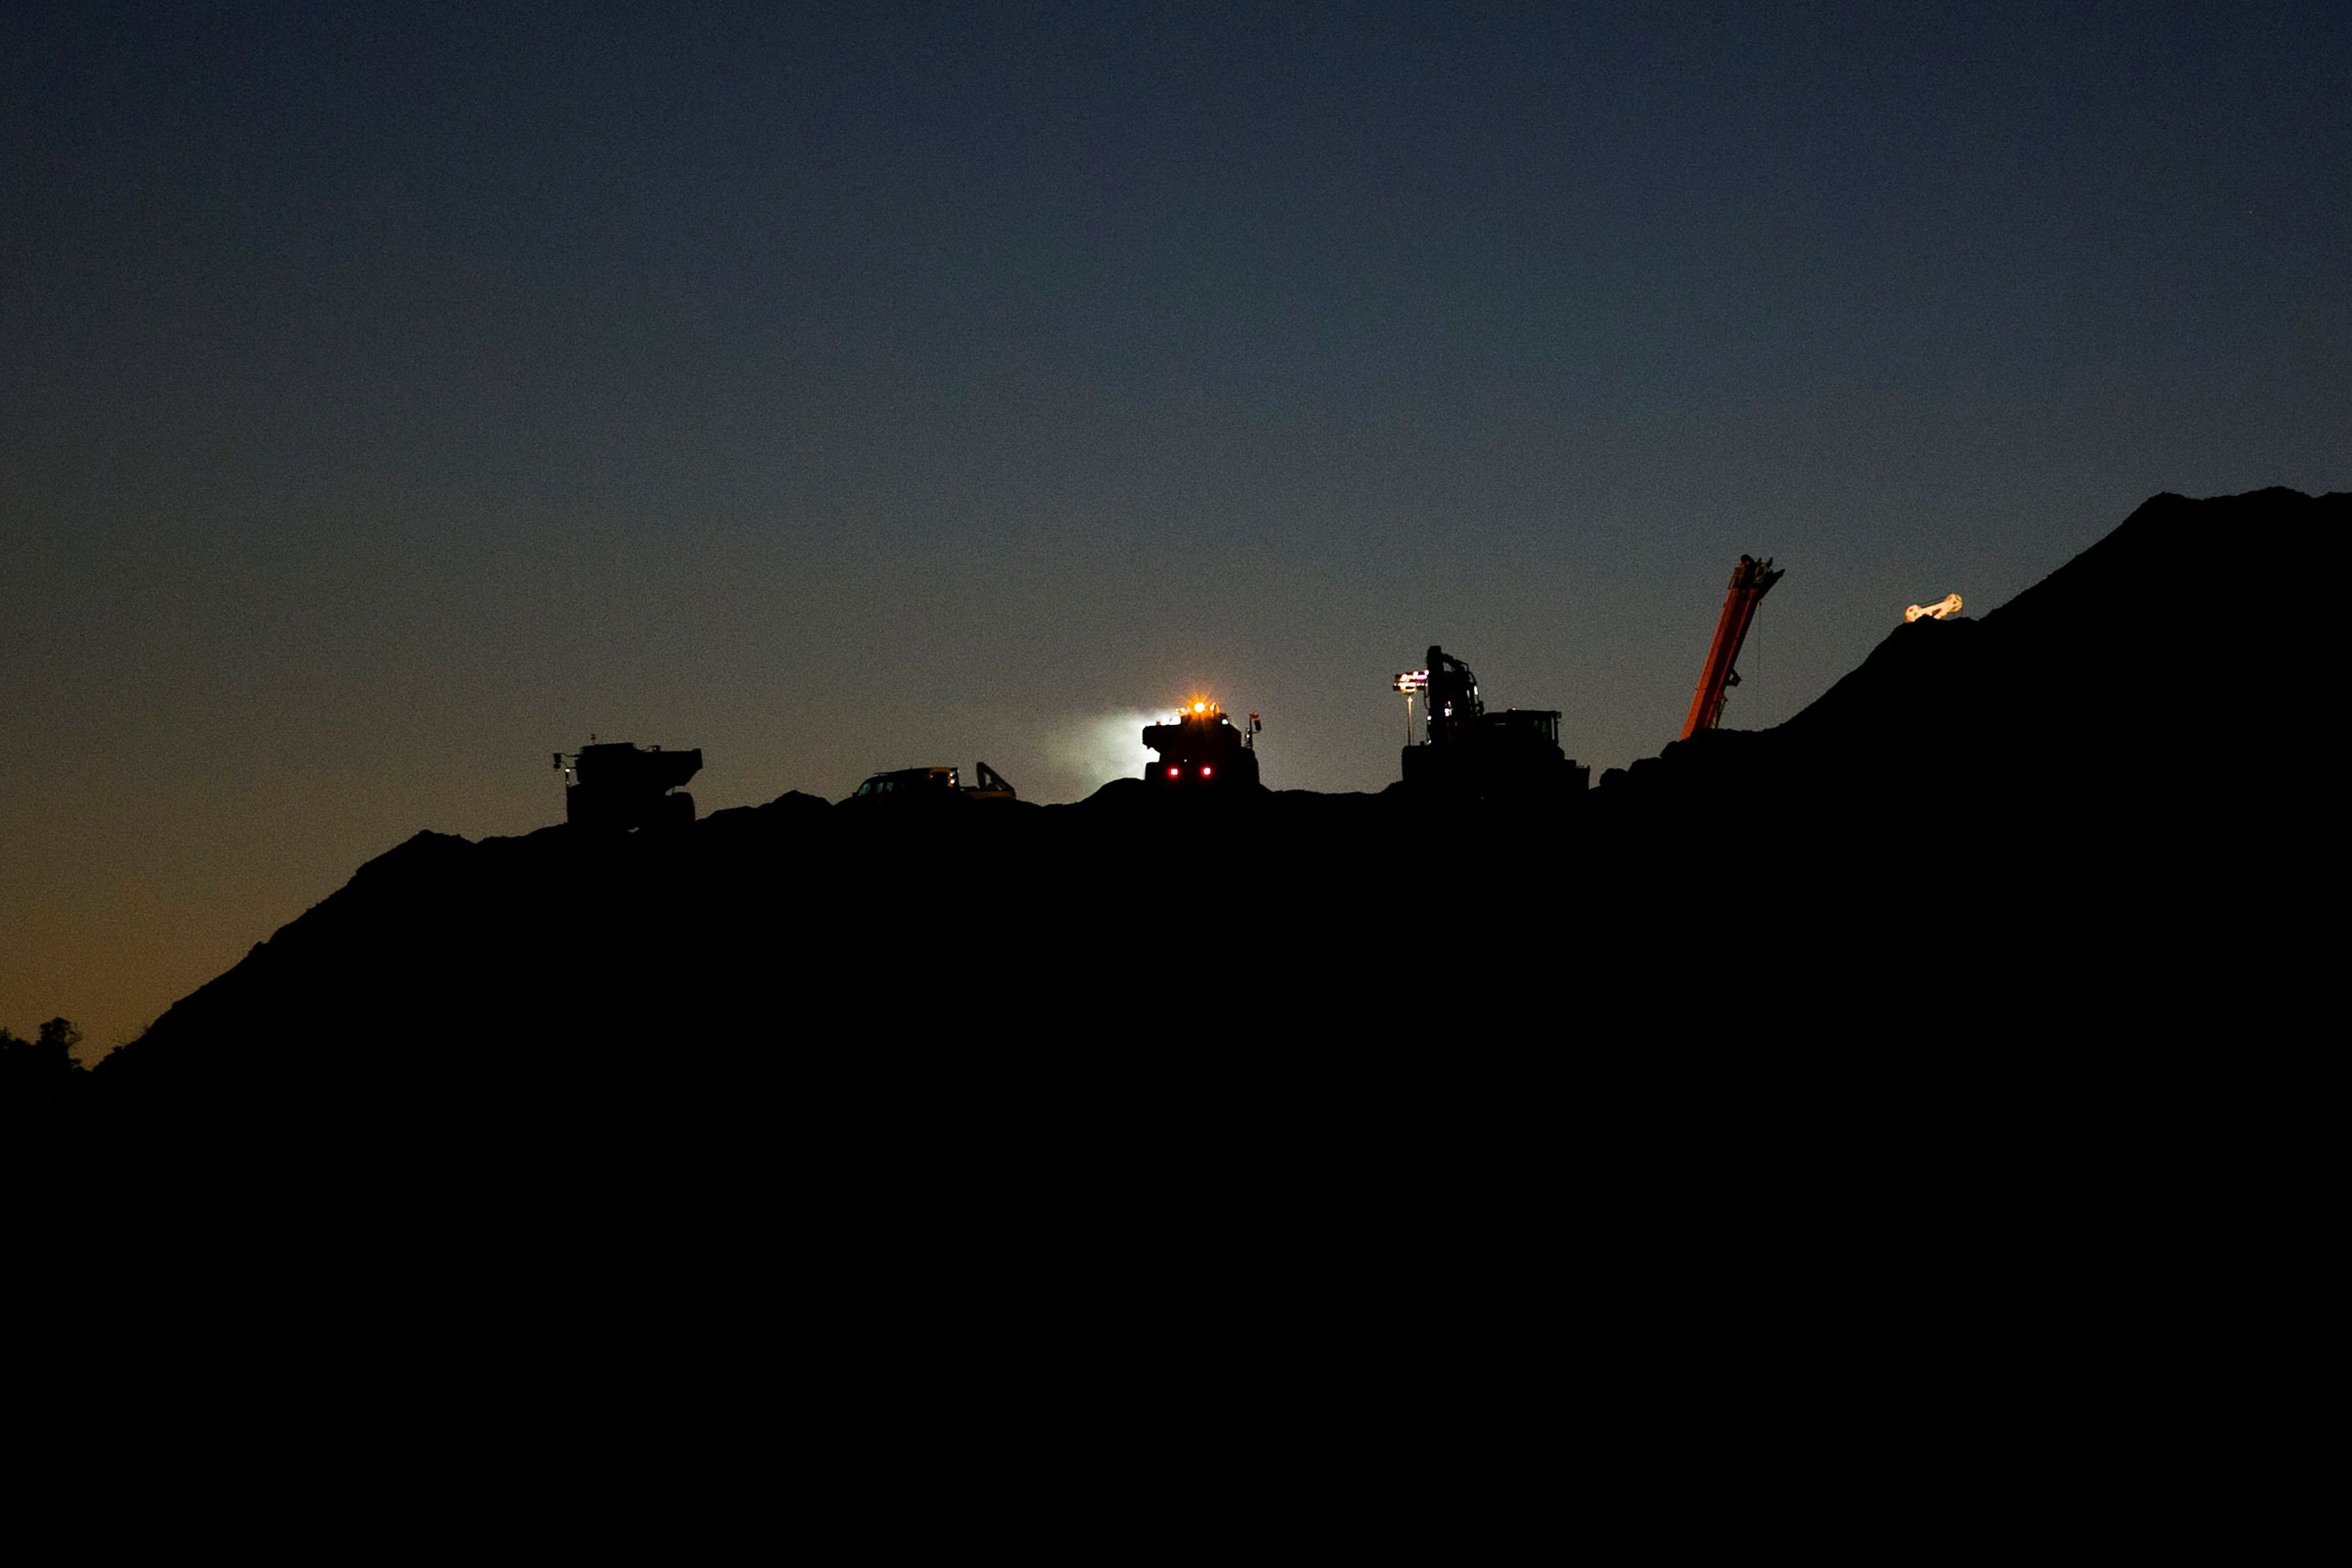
[
  {"x": 1200, "y": 707},
  {"x": 1175, "y": 773},
  {"x": 1206, "y": 772}
]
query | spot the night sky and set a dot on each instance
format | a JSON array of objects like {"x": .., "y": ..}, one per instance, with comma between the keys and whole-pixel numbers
[{"x": 391, "y": 396}]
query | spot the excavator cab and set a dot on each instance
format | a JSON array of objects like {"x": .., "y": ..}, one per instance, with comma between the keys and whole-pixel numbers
[{"x": 1453, "y": 698}]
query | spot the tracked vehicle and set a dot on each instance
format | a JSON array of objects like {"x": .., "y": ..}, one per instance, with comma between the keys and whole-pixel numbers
[
  {"x": 617, "y": 786},
  {"x": 1513, "y": 754}
]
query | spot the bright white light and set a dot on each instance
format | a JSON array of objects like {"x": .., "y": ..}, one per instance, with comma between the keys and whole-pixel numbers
[{"x": 1091, "y": 752}]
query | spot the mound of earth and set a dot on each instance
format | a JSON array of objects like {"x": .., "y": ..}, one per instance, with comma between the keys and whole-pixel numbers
[
  {"x": 1955, "y": 842},
  {"x": 2134, "y": 695}
]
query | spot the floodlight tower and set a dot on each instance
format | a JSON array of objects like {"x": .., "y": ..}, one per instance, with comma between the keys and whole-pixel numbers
[{"x": 1412, "y": 682}]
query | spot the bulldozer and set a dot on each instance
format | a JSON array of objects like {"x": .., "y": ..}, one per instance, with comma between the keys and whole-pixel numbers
[{"x": 615, "y": 786}]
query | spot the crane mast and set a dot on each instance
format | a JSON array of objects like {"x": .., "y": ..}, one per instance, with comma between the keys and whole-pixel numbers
[{"x": 1750, "y": 580}]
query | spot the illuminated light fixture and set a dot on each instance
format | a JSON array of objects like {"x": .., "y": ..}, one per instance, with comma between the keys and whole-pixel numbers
[
  {"x": 1200, "y": 707},
  {"x": 1206, "y": 772},
  {"x": 1175, "y": 773}
]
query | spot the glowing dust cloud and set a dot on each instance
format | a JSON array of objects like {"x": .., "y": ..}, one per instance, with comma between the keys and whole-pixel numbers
[{"x": 1091, "y": 752}]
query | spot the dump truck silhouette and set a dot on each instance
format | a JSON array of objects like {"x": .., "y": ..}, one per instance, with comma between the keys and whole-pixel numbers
[
  {"x": 1203, "y": 749},
  {"x": 617, "y": 786}
]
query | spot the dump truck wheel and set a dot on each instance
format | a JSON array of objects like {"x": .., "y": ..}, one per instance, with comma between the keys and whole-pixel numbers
[{"x": 583, "y": 807}]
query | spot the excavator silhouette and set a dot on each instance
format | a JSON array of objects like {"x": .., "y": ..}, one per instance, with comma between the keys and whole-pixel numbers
[{"x": 1470, "y": 752}]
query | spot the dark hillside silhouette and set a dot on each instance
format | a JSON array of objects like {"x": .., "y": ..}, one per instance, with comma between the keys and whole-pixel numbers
[
  {"x": 2130, "y": 697},
  {"x": 41, "y": 1070},
  {"x": 1992, "y": 843}
]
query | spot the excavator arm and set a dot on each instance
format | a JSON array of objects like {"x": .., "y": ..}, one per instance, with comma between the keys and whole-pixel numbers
[{"x": 1750, "y": 580}]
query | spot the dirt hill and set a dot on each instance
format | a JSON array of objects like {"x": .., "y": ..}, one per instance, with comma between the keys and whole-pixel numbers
[
  {"x": 1992, "y": 827},
  {"x": 1925, "y": 1061}
]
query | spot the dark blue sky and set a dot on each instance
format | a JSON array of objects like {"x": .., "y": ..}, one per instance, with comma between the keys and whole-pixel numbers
[{"x": 390, "y": 396}]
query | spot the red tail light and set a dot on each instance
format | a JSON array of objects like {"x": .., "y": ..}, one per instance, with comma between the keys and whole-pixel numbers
[
  {"x": 1175, "y": 773},
  {"x": 1206, "y": 772}
]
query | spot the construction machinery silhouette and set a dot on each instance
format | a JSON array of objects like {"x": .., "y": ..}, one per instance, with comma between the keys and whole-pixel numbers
[
  {"x": 1750, "y": 580},
  {"x": 934, "y": 784},
  {"x": 1510, "y": 754},
  {"x": 1203, "y": 749},
  {"x": 615, "y": 786}
]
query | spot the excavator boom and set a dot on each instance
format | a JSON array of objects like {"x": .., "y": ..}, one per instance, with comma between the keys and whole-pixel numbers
[{"x": 1750, "y": 580}]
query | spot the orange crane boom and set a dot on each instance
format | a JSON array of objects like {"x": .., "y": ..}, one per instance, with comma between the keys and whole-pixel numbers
[{"x": 1750, "y": 580}]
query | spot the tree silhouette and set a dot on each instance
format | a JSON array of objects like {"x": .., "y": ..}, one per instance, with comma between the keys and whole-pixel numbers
[{"x": 42, "y": 1068}]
